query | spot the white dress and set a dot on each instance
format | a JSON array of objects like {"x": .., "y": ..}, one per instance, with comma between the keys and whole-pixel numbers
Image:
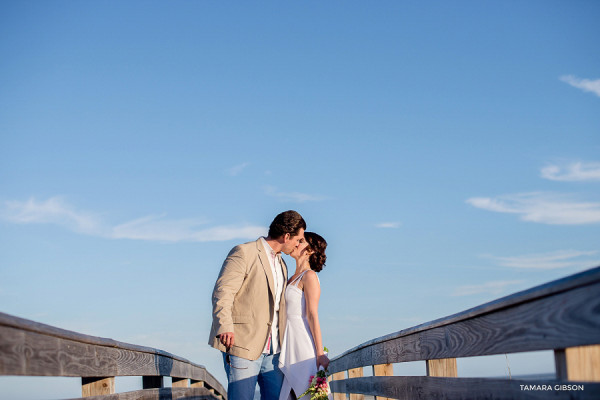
[{"x": 298, "y": 358}]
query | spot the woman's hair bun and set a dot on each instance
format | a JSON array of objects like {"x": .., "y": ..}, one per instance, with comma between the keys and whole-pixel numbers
[{"x": 317, "y": 245}]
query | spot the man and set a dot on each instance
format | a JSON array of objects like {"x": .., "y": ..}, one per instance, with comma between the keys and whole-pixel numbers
[{"x": 249, "y": 309}]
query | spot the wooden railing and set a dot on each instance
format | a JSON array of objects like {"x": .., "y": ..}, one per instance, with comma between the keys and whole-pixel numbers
[
  {"x": 563, "y": 316},
  {"x": 29, "y": 348}
]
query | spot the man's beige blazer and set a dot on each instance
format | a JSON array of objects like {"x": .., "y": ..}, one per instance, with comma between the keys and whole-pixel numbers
[{"x": 243, "y": 301}]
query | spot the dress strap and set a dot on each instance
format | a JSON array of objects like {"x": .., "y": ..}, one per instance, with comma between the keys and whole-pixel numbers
[{"x": 298, "y": 278}]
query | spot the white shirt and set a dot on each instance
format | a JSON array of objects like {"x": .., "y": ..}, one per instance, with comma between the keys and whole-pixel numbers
[{"x": 278, "y": 283}]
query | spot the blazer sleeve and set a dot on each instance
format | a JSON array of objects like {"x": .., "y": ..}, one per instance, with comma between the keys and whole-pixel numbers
[{"x": 228, "y": 284}]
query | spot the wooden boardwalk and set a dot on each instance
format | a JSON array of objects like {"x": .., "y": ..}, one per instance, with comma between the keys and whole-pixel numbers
[
  {"x": 562, "y": 316},
  {"x": 29, "y": 348}
]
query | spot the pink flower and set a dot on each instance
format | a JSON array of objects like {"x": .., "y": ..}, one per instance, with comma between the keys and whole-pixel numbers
[{"x": 318, "y": 389}]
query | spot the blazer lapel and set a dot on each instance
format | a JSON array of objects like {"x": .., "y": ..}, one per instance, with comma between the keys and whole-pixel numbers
[
  {"x": 262, "y": 256},
  {"x": 284, "y": 269}
]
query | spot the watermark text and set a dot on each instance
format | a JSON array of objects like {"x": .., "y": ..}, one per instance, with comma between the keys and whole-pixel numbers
[{"x": 557, "y": 388}]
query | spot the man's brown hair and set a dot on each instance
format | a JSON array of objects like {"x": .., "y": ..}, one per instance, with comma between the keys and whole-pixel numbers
[{"x": 286, "y": 222}]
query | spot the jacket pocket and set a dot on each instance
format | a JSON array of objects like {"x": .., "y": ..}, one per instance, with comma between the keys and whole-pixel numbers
[{"x": 242, "y": 319}]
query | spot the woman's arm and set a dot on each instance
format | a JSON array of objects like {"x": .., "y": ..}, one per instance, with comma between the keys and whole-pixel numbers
[{"x": 312, "y": 293}]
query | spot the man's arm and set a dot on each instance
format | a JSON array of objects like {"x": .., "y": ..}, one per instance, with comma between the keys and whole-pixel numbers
[{"x": 228, "y": 283}]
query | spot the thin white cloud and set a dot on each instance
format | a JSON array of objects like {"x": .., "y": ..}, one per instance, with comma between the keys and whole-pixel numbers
[
  {"x": 183, "y": 230},
  {"x": 237, "y": 169},
  {"x": 388, "y": 225},
  {"x": 545, "y": 208},
  {"x": 577, "y": 171},
  {"x": 55, "y": 210},
  {"x": 230, "y": 232},
  {"x": 494, "y": 287},
  {"x": 153, "y": 228},
  {"x": 553, "y": 260},
  {"x": 587, "y": 85},
  {"x": 292, "y": 196}
]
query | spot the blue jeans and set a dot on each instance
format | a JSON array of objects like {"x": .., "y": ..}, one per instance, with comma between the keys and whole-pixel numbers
[{"x": 243, "y": 378}]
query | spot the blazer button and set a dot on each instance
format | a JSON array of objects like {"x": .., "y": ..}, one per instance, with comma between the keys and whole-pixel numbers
[{"x": 269, "y": 323}]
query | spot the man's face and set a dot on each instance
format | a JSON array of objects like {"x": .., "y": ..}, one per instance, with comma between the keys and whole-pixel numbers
[{"x": 291, "y": 242}]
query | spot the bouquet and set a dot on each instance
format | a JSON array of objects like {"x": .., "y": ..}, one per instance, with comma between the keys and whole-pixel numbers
[{"x": 318, "y": 388}]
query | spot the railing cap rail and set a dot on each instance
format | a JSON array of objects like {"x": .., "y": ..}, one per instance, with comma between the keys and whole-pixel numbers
[
  {"x": 37, "y": 327},
  {"x": 581, "y": 279}
]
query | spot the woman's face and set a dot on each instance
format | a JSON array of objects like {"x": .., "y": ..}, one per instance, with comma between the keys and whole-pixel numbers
[{"x": 300, "y": 250}]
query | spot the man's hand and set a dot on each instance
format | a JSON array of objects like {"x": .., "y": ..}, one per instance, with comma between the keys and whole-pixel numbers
[{"x": 227, "y": 339}]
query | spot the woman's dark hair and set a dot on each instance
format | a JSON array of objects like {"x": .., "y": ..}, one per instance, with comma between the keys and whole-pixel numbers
[
  {"x": 317, "y": 244},
  {"x": 286, "y": 222}
]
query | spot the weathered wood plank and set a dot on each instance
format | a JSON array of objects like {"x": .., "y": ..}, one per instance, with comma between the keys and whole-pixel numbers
[
  {"x": 22, "y": 324},
  {"x": 581, "y": 279},
  {"x": 356, "y": 373},
  {"x": 160, "y": 394},
  {"x": 407, "y": 348},
  {"x": 33, "y": 349},
  {"x": 560, "y": 363},
  {"x": 569, "y": 283},
  {"x": 180, "y": 382},
  {"x": 196, "y": 384},
  {"x": 11, "y": 356},
  {"x": 383, "y": 370},
  {"x": 561, "y": 320},
  {"x": 580, "y": 363},
  {"x": 34, "y": 354},
  {"x": 97, "y": 386},
  {"x": 336, "y": 377},
  {"x": 426, "y": 388},
  {"x": 444, "y": 367},
  {"x": 48, "y": 330}
]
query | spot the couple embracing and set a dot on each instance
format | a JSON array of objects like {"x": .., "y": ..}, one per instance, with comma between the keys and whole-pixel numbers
[{"x": 265, "y": 322}]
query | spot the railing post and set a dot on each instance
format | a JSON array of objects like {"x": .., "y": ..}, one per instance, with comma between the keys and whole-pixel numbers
[
  {"x": 210, "y": 389},
  {"x": 152, "y": 382},
  {"x": 580, "y": 363},
  {"x": 443, "y": 367},
  {"x": 201, "y": 384},
  {"x": 338, "y": 376},
  {"x": 96, "y": 386},
  {"x": 356, "y": 373},
  {"x": 181, "y": 382},
  {"x": 383, "y": 370}
]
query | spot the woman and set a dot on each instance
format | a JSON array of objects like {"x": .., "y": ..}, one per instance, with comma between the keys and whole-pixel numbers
[{"x": 302, "y": 350}]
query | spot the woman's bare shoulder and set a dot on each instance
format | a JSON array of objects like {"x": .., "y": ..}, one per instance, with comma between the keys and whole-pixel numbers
[{"x": 311, "y": 278}]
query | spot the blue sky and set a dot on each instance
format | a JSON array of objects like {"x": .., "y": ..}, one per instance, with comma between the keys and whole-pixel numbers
[{"x": 447, "y": 151}]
